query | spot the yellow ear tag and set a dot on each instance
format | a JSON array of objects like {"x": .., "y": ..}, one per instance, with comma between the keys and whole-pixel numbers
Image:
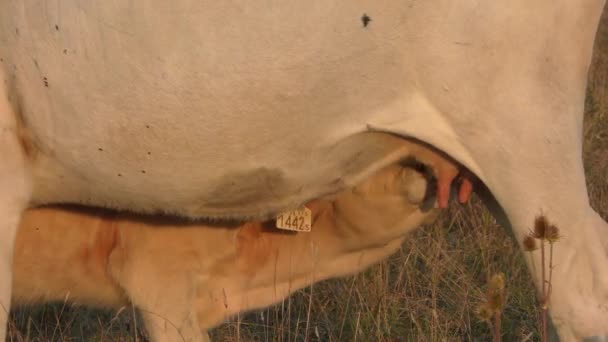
[{"x": 299, "y": 220}]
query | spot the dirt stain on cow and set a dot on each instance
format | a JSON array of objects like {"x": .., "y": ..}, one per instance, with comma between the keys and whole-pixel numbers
[
  {"x": 28, "y": 142},
  {"x": 365, "y": 19},
  {"x": 239, "y": 189}
]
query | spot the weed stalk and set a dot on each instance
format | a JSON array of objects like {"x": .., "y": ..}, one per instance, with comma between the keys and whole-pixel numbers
[{"x": 545, "y": 233}]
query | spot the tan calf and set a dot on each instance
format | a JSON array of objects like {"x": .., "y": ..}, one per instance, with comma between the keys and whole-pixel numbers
[{"x": 187, "y": 277}]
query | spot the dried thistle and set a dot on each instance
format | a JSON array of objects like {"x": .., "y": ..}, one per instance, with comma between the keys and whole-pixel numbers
[
  {"x": 491, "y": 309},
  {"x": 552, "y": 234},
  {"x": 530, "y": 244},
  {"x": 496, "y": 292},
  {"x": 484, "y": 312},
  {"x": 495, "y": 297},
  {"x": 541, "y": 225},
  {"x": 543, "y": 231}
]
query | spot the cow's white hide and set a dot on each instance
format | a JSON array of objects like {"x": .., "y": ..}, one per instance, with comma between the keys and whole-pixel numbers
[{"x": 199, "y": 107}]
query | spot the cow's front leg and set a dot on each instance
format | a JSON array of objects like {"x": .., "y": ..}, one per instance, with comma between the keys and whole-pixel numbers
[{"x": 14, "y": 196}]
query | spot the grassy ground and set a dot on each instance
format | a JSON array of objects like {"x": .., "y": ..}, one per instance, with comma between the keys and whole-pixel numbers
[{"x": 427, "y": 291}]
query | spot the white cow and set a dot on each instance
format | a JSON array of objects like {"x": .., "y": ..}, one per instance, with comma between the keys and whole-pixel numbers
[{"x": 241, "y": 109}]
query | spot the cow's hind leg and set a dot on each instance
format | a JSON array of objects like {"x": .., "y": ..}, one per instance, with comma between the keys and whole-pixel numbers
[
  {"x": 554, "y": 187},
  {"x": 539, "y": 171},
  {"x": 520, "y": 130},
  {"x": 14, "y": 196}
]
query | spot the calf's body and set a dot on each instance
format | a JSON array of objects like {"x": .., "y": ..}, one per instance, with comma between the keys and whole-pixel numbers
[{"x": 188, "y": 277}]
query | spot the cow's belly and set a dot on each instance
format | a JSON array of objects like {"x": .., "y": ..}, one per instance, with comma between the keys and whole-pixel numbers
[{"x": 211, "y": 108}]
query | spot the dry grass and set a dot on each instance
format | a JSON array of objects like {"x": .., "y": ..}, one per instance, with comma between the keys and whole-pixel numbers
[{"x": 427, "y": 291}]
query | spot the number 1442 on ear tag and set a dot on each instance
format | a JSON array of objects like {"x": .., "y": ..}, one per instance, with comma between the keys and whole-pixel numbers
[{"x": 299, "y": 220}]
